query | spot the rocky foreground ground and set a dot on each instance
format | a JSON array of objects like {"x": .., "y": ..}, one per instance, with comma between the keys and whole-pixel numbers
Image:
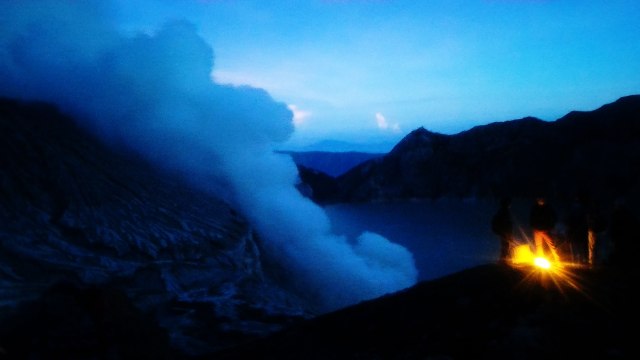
[{"x": 488, "y": 312}]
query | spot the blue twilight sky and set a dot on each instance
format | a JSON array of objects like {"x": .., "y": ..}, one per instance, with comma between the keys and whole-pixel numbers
[{"x": 372, "y": 71}]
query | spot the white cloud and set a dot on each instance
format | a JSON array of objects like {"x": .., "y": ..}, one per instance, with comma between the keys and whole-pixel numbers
[
  {"x": 383, "y": 124},
  {"x": 299, "y": 115}
]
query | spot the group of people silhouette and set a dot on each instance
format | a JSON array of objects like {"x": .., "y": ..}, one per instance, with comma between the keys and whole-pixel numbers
[{"x": 573, "y": 237}]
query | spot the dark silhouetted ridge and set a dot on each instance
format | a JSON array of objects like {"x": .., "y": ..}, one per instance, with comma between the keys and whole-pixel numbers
[{"x": 588, "y": 151}]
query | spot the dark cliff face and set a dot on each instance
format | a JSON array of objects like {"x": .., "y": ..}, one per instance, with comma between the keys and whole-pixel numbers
[
  {"x": 75, "y": 211},
  {"x": 596, "y": 152}
]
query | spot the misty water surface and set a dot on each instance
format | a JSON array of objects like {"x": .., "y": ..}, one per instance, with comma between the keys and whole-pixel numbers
[{"x": 444, "y": 235}]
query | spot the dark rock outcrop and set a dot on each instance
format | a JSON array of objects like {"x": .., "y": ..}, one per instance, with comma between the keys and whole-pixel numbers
[
  {"x": 316, "y": 185},
  {"x": 330, "y": 163},
  {"x": 73, "y": 210},
  {"x": 71, "y": 322}
]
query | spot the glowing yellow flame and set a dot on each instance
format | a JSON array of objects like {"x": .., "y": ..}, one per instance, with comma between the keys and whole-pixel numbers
[
  {"x": 542, "y": 262},
  {"x": 522, "y": 254},
  {"x": 542, "y": 270}
]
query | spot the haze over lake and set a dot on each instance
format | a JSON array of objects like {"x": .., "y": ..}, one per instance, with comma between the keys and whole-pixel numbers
[{"x": 444, "y": 235}]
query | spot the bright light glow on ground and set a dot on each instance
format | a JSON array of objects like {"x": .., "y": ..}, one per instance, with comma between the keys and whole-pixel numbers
[
  {"x": 543, "y": 271},
  {"x": 542, "y": 263},
  {"x": 521, "y": 254}
]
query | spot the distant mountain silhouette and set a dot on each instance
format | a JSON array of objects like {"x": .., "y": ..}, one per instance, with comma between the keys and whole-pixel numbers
[
  {"x": 331, "y": 163},
  {"x": 594, "y": 151},
  {"x": 375, "y": 146}
]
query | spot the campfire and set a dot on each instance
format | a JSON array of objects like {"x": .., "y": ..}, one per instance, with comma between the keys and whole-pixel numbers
[
  {"x": 522, "y": 255},
  {"x": 557, "y": 272}
]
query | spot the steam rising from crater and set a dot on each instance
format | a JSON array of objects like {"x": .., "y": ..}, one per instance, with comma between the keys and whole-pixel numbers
[{"x": 153, "y": 93}]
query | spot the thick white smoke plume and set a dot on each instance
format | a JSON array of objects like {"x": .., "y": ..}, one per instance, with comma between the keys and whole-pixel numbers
[{"x": 153, "y": 93}]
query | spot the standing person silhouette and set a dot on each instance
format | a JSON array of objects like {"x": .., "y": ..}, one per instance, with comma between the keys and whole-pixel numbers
[
  {"x": 542, "y": 219},
  {"x": 502, "y": 225},
  {"x": 577, "y": 229},
  {"x": 625, "y": 236},
  {"x": 596, "y": 223}
]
